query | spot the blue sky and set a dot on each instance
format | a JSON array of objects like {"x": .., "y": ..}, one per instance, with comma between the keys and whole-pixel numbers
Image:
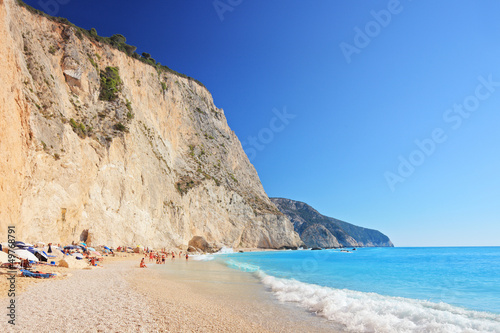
[{"x": 361, "y": 82}]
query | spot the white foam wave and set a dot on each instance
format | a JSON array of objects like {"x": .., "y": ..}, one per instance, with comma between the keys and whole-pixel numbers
[
  {"x": 202, "y": 257},
  {"x": 225, "y": 250},
  {"x": 208, "y": 257},
  {"x": 370, "y": 312}
]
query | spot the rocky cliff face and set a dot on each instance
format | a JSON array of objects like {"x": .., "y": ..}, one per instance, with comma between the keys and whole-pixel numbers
[
  {"x": 94, "y": 142},
  {"x": 317, "y": 230}
]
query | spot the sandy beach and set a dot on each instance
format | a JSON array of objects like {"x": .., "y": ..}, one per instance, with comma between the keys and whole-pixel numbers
[{"x": 175, "y": 297}]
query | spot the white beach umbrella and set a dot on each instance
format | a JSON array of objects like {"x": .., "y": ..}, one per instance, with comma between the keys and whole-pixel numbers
[
  {"x": 25, "y": 254},
  {"x": 77, "y": 255},
  {"x": 5, "y": 247},
  {"x": 4, "y": 258}
]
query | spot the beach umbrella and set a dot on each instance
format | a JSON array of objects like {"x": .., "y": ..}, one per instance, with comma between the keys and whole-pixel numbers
[
  {"x": 42, "y": 256},
  {"x": 107, "y": 248},
  {"x": 90, "y": 249},
  {"x": 40, "y": 243},
  {"x": 24, "y": 254},
  {"x": 71, "y": 247},
  {"x": 31, "y": 249},
  {"x": 20, "y": 245},
  {"x": 82, "y": 243},
  {"x": 4, "y": 258},
  {"x": 5, "y": 247},
  {"x": 77, "y": 255},
  {"x": 95, "y": 253}
]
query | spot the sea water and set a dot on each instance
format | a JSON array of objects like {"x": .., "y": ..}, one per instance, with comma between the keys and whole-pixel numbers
[{"x": 385, "y": 289}]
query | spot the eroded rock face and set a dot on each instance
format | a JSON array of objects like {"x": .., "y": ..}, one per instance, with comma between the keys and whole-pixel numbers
[
  {"x": 154, "y": 165},
  {"x": 321, "y": 231}
]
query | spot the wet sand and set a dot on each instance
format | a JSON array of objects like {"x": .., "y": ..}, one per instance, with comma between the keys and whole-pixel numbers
[{"x": 198, "y": 296}]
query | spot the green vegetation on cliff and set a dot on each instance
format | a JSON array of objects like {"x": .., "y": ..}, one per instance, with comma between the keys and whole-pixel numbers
[
  {"x": 116, "y": 41},
  {"x": 110, "y": 84}
]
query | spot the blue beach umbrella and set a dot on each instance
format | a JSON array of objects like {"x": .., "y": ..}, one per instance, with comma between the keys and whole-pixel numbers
[{"x": 20, "y": 245}]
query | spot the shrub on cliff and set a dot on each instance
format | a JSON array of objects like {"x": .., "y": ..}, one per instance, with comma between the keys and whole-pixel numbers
[
  {"x": 110, "y": 84},
  {"x": 120, "y": 127},
  {"x": 117, "y": 41}
]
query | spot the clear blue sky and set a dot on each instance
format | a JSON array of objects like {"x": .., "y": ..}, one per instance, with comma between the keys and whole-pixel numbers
[{"x": 353, "y": 120}]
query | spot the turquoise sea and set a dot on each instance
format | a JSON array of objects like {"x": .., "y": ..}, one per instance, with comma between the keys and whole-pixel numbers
[{"x": 385, "y": 289}]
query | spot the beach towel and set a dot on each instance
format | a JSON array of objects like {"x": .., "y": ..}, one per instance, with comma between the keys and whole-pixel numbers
[{"x": 36, "y": 274}]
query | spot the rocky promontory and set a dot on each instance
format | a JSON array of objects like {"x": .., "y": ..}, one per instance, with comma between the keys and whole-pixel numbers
[{"x": 317, "y": 230}]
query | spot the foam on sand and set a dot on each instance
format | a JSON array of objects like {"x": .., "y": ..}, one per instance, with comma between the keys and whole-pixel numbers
[{"x": 371, "y": 312}]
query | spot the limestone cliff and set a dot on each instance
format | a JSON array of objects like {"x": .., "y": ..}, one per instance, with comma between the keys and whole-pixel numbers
[
  {"x": 317, "y": 230},
  {"x": 95, "y": 142}
]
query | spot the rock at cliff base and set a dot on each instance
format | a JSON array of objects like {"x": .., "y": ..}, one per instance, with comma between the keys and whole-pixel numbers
[
  {"x": 200, "y": 243},
  {"x": 71, "y": 262},
  {"x": 192, "y": 249}
]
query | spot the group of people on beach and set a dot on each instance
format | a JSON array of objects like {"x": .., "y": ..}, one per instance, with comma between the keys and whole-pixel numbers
[{"x": 160, "y": 257}]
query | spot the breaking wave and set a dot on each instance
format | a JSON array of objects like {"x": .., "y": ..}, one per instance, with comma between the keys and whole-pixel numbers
[
  {"x": 209, "y": 257},
  {"x": 371, "y": 312}
]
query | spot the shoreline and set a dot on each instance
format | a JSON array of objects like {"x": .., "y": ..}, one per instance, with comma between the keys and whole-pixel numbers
[
  {"x": 217, "y": 298},
  {"x": 122, "y": 297}
]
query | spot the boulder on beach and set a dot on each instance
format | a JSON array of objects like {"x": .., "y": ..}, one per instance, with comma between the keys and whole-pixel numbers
[
  {"x": 72, "y": 262},
  {"x": 200, "y": 243}
]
